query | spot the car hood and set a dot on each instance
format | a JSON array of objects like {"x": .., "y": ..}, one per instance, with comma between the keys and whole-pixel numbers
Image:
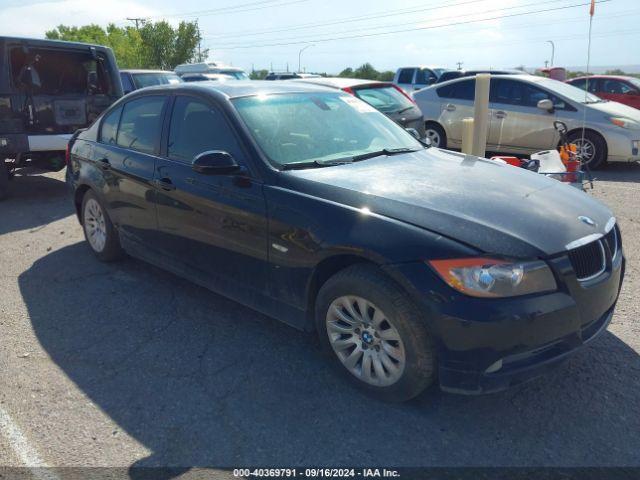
[
  {"x": 495, "y": 208},
  {"x": 615, "y": 109}
]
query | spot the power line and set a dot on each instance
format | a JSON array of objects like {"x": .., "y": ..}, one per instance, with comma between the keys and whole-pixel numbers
[
  {"x": 393, "y": 32},
  {"x": 519, "y": 27},
  {"x": 359, "y": 18},
  {"x": 232, "y": 9},
  {"x": 420, "y": 22}
]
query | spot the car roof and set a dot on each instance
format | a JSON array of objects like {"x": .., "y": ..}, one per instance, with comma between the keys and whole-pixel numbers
[
  {"x": 142, "y": 70},
  {"x": 43, "y": 42},
  {"x": 421, "y": 66},
  {"x": 611, "y": 77},
  {"x": 242, "y": 88},
  {"x": 339, "y": 82}
]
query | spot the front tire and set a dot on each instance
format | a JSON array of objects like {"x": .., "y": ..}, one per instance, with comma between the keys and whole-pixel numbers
[
  {"x": 593, "y": 150},
  {"x": 375, "y": 333},
  {"x": 436, "y": 134},
  {"x": 99, "y": 232}
]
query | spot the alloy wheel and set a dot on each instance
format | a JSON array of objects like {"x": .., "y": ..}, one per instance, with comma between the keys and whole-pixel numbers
[
  {"x": 434, "y": 136},
  {"x": 365, "y": 340},
  {"x": 586, "y": 149},
  {"x": 95, "y": 225}
]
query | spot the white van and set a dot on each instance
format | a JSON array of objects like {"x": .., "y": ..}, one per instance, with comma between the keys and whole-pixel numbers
[{"x": 212, "y": 67}]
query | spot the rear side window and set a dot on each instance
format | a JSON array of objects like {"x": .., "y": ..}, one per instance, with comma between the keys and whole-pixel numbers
[
  {"x": 464, "y": 90},
  {"x": 196, "y": 128},
  {"x": 521, "y": 93},
  {"x": 581, "y": 83},
  {"x": 58, "y": 72},
  {"x": 109, "y": 128},
  {"x": 127, "y": 85},
  {"x": 386, "y": 99},
  {"x": 425, "y": 77},
  {"x": 141, "y": 123},
  {"x": 406, "y": 75},
  {"x": 616, "y": 87}
]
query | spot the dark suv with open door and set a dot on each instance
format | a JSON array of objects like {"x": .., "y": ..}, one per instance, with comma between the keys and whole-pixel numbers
[{"x": 48, "y": 90}]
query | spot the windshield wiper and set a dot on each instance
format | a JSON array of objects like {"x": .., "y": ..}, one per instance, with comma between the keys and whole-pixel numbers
[
  {"x": 384, "y": 151},
  {"x": 312, "y": 164},
  {"x": 405, "y": 109}
]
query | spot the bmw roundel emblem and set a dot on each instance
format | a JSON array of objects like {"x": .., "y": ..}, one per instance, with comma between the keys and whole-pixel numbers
[{"x": 586, "y": 220}]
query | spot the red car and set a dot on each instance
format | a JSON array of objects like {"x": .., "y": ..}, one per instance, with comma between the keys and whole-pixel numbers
[{"x": 612, "y": 87}]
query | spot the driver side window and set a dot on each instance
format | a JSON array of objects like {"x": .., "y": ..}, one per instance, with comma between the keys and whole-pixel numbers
[{"x": 196, "y": 127}]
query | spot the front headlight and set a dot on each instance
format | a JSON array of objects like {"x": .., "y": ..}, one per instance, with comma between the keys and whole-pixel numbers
[
  {"x": 625, "y": 123},
  {"x": 487, "y": 277}
]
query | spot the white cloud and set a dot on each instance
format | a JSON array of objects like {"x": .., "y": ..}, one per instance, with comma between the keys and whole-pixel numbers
[{"x": 35, "y": 19}]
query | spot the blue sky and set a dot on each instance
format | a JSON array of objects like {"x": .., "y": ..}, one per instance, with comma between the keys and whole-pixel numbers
[{"x": 479, "y": 33}]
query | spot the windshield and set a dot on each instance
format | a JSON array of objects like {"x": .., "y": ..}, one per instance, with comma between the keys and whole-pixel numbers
[
  {"x": 238, "y": 75},
  {"x": 150, "y": 79},
  {"x": 439, "y": 71},
  {"x": 320, "y": 127},
  {"x": 386, "y": 99},
  {"x": 635, "y": 82},
  {"x": 574, "y": 94}
]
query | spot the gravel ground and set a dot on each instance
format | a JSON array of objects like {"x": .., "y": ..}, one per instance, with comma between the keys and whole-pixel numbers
[{"x": 124, "y": 364}]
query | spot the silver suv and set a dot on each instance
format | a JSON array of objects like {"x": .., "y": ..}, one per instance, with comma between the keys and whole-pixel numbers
[
  {"x": 415, "y": 78},
  {"x": 523, "y": 109}
]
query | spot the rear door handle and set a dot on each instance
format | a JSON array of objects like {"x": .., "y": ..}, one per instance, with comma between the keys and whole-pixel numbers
[
  {"x": 164, "y": 183},
  {"x": 501, "y": 114},
  {"x": 450, "y": 107},
  {"x": 104, "y": 164}
]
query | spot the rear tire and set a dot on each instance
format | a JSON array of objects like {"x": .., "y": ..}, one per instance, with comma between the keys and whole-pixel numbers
[
  {"x": 595, "y": 148},
  {"x": 375, "y": 334},
  {"x": 4, "y": 179},
  {"x": 99, "y": 232},
  {"x": 436, "y": 134}
]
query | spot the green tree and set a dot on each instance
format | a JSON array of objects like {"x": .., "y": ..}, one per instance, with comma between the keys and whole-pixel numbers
[
  {"x": 366, "y": 71},
  {"x": 154, "y": 45},
  {"x": 386, "y": 76},
  {"x": 347, "y": 73},
  {"x": 258, "y": 74}
]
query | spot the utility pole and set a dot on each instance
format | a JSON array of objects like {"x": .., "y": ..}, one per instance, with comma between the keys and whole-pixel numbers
[
  {"x": 546, "y": 63},
  {"x": 300, "y": 56},
  {"x": 136, "y": 21},
  {"x": 459, "y": 65},
  {"x": 553, "y": 50}
]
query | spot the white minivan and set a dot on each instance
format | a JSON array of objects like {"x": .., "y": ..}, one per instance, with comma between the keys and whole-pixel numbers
[{"x": 212, "y": 67}]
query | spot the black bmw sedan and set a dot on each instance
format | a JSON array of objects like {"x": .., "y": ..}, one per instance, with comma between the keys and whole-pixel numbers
[{"x": 414, "y": 265}]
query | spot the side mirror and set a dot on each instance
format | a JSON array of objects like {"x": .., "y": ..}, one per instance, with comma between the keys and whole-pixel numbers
[
  {"x": 546, "y": 105},
  {"x": 215, "y": 162},
  {"x": 413, "y": 132}
]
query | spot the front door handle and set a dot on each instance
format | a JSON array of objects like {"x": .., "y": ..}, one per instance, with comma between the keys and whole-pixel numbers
[
  {"x": 450, "y": 107},
  {"x": 164, "y": 183},
  {"x": 104, "y": 164},
  {"x": 501, "y": 114}
]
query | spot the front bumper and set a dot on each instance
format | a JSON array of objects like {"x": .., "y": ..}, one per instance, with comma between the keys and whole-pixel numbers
[{"x": 525, "y": 336}]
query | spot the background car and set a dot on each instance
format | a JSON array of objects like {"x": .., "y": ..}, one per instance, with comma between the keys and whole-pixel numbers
[
  {"x": 48, "y": 90},
  {"x": 298, "y": 202},
  {"x": 207, "y": 77},
  {"x": 289, "y": 75},
  {"x": 383, "y": 96},
  {"x": 523, "y": 109},
  {"x": 415, "y": 78},
  {"x": 212, "y": 67},
  {"x": 615, "y": 88},
  {"x": 452, "y": 74},
  {"x": 135, "y": 79}
]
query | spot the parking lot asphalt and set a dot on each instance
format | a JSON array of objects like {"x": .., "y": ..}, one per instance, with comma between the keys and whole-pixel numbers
[{"x": 124, "y": 364}]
